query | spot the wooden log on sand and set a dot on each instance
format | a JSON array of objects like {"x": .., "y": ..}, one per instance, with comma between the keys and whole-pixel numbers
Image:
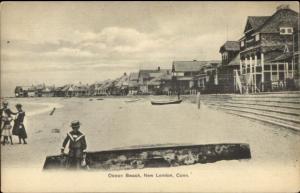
[{"x": 155, "y": 157}]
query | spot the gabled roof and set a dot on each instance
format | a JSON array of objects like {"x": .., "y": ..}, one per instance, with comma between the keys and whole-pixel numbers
[
  {"x": 122, "y": 81},
  {"x": 159, "y": 73},
  {"x": 145, "y": 73},
  {"x": 188, "y": 66},
  {"x": 26, "y": 87},
  {"x": 230, "y": 46},
  {"x": 155, "y": 76},
  {"x": 79, "y": 87},
  {"x": 105, "y": 84},
  {"x": 153, "y": 73},
  {"x": 254, "y": 22},
  {"x": 66, "y": 87},
  {"x": 154, "y": 81},
  {"x": 270, "y": 24},
  {"x": 167, "y": 77},
  {"x": 134, "y": 76},
  {"x": 282, "y": 18},
  {"x": 31, "y": 88},
  {"x": 48, "y": 89},
  {"x": 107, "y": 81},
  {"x": 283, "y": 57},
  {"x": 193, "y": 66},
  {"x": 132, "y": 84},
  {"x": 99, "y": 84}
]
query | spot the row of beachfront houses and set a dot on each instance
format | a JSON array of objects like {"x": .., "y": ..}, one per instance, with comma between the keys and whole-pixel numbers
[
  {"x": 183, "y": 77},
  {"x": 265, "y": 58}
]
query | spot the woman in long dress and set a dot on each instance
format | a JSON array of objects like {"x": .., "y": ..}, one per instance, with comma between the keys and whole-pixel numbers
[{"x": 19, "y": 128}]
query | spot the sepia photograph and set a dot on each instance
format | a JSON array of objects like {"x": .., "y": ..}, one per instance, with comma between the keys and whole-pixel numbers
[{"x": 150, "y": 96}]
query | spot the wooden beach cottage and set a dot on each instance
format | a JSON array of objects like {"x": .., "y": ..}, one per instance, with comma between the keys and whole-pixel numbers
[{"x": 266, "y": 39}]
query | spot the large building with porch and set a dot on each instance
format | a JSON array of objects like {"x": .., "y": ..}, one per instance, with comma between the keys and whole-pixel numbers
[
  {"x": 133, "y": 83},
  {"x": 120, "y": 85},
  {"x": 265, "y": 40},
  {"x": 195, "y": 75},
  {"x": 153, "y": 81}
]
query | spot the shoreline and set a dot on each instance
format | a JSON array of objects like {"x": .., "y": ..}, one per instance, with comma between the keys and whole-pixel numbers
[{"x": 150, "y": 95}]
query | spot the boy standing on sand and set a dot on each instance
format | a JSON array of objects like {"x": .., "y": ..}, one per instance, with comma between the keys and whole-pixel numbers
[{"x": 77, "y": 146}]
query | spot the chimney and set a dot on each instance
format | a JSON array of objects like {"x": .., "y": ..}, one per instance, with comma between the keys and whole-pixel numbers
[
  {"x": 173, "y": 68},
  {"x": 283, "y": 6},
  {"x": 158, "y": 68}
]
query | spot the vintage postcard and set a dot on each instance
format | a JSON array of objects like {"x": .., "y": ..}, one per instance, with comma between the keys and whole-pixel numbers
[{"x": 162, "y": 96}]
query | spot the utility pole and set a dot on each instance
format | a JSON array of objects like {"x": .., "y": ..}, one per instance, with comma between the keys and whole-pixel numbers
[{"x": 226, "y": 31}]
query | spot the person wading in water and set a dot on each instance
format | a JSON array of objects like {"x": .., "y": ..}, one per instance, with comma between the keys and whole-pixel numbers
[{"x": 77, "y": 146}]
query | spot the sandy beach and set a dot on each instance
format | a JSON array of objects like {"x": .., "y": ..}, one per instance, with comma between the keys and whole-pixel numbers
[{"x": 114, "y": 123}]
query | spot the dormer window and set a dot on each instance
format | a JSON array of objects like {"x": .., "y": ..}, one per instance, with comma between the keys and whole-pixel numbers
[
  {"x": 286, "y": 30},
  {"x": 257, "y": 37},
  {"x": 242, "y": 43},
  {"x": 225, "y": 56}
]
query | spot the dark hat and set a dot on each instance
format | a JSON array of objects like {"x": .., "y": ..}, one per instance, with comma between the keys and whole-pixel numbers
[
  {"x": 18, "y": 105},
  {"x": 75, "y": 123}
]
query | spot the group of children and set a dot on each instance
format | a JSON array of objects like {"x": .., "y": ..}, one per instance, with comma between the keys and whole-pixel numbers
[
  {"x": 18, "y": 128},
  {"x": 75, "y": 139}
]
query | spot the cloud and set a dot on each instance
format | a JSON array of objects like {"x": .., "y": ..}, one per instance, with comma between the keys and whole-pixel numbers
[
  {"x": 121, "y": 45},
  {"x": 69, "y": 53},
  {"x": 110, "y": 48}
]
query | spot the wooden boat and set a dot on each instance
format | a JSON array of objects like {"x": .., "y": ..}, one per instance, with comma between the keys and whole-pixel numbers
[
  {"x": 154, "y": 157},
  {"x": 132, "y": 100},
  {"x": 166, "y": 102}
]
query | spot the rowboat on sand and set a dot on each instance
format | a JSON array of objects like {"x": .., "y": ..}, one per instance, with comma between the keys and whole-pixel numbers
[
  {"x": 166, "y": 102},
  {"x": 132, "y": 100}
]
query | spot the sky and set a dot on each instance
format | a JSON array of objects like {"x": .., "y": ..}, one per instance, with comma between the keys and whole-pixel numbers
[{"x": 70, "y": 42}]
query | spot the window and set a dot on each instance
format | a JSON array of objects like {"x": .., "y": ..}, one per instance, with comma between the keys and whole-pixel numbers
[
  {"x": 281, "y": 67},
  {"x": 257, "y": 37},
  {"x": 282, "y": 30},
  {"x": 258, "y": 69},
  {"x": 180, "y": 74},
  {"x": 225, "y": 56},
  {"x": 188, "y": 73},
  {"x": 286, "y": 30},
  {"x": 258, "y": 55},
  {"x": 242, "y": 43}
]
